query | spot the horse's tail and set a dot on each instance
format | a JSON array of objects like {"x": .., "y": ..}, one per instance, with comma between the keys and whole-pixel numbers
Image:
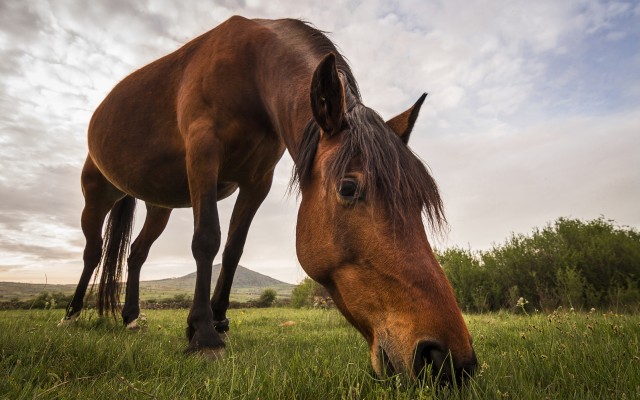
[{"x": 115, "y": 247}]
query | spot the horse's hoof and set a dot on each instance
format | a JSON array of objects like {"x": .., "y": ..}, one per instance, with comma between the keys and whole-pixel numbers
[
  {"x": 66, "y": 321},
  {"x": 205, "y": 343},
  {"x": 139, "y": 323},
  {"x": 221, "y": 326},
  {"x": 133, "y": 325}
]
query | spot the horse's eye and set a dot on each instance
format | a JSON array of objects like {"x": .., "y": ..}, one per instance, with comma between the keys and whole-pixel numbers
[{"x": 349, "y": 190}]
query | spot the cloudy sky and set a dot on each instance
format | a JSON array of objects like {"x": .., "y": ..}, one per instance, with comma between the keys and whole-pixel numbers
[{"x": 533, "y": 113}]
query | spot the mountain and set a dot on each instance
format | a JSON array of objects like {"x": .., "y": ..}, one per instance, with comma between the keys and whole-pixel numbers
[
  {"x": 244, "y": 279},
  {"x": 246, "y": 284}
]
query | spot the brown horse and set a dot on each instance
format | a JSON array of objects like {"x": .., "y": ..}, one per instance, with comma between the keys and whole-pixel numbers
[{"x": 216, "y": 115}]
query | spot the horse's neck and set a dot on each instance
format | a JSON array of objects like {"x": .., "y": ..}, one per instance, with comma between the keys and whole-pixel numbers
[{"x": 288, "y": 104}]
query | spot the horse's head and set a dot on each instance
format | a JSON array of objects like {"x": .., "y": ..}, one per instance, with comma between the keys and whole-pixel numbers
[{"x": 360, "y": 232}]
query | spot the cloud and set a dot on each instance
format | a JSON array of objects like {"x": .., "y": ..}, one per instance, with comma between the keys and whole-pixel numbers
[
  {"x": 531, "y": 115},
  {"x": 580, "y": 167}
]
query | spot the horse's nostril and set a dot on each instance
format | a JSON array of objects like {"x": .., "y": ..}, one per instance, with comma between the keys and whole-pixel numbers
[{"x": 431, "y": 353}]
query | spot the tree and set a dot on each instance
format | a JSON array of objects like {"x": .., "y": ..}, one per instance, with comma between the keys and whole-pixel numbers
[
  {"x": 303, "y": 294},
  {"x": 267, "y": 298}
]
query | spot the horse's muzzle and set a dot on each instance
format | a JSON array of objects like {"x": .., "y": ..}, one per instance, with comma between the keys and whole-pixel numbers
[{"x": 443, "y": 367}]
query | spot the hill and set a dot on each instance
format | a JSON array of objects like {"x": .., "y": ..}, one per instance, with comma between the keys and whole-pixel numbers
[
  {"x": 244, "y": 278},
  {"x": 247, "y": 284}
]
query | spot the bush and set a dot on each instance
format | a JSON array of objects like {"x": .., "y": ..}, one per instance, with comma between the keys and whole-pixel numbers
[
  {"x": 625, "y": 297},
  {"x": 572, "y": 288},
  {"x": 44, "y": 300},
  {"x": 303, "y": 294},
  {"x": 468, "y": 277},
  {"x": 570, "y": 262},
  {"x": 267, "y": 298}
]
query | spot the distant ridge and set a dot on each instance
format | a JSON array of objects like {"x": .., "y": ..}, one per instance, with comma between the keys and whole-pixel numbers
[{"x": 245, "y": 281}]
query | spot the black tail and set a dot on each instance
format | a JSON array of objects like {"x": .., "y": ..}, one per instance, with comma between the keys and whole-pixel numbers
[{"x": 115, "y": 247}]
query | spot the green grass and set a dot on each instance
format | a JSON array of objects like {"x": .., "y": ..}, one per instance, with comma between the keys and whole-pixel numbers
[{"x": 563, "y": 356}]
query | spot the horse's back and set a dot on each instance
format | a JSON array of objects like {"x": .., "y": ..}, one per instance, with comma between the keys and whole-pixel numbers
[
  {"x": 133, "y": 134},
  {"x": 138, "y": 134}
]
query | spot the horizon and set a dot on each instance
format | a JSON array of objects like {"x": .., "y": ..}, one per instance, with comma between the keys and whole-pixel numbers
[
  {"x": 158, "y": 279},
  {"x": 533, "y": 114}
]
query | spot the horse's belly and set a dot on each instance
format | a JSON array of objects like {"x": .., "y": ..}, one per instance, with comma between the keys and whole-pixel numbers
[
  {"x": 168, "y": 189},
  {"x": 159, "y": 182},
  {"x": 173, "y": 193}
]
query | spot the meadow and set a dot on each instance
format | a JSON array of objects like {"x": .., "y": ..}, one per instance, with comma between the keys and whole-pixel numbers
[{"x": 563, "y": 355}]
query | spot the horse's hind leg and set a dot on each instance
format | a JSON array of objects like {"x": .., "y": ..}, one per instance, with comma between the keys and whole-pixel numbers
[
  {"x": 99, "y": 195},
  {"x": 154, "y": 224},
  {"x": 249, "y": 200}
]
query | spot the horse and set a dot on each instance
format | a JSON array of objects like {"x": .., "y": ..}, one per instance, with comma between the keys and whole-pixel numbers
[{"x": 215, "y": 116}]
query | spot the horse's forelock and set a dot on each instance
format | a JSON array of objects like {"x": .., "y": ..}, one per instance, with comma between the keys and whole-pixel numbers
[{"x": 394, "y": 176}]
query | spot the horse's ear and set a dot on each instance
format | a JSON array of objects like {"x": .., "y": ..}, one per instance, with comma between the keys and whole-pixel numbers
[
  {"x": 327, "y": 96},
  {"x": 402, "y": 124}
]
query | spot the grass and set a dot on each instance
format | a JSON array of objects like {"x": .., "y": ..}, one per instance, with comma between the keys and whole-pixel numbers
[{"x": 560, "y": 356}]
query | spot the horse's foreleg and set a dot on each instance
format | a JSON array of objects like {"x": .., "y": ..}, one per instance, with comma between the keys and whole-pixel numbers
[
  {"x": 99, "y": 196},
  {"x": 202, "y": 171},
  {"x": 249, "y": 200},
  {"x": 154, "y": 224}
]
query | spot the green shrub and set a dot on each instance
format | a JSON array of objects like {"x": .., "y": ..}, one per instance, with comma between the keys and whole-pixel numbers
[
  {"x": 303, "y": 294},
  {"x": 267, "y": 298},
  {"x": 574, "y": 263}
]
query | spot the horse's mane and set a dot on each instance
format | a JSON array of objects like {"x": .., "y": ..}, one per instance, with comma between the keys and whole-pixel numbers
[
  {"x": 393, "y": 175},
  {"x": 317, "y": 41}
]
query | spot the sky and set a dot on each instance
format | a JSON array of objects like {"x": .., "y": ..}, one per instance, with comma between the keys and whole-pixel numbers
[{"x": 533, "y": 113}]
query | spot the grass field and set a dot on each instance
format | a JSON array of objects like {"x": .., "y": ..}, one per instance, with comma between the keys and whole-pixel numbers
[{"x": 560, "y": 356}]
